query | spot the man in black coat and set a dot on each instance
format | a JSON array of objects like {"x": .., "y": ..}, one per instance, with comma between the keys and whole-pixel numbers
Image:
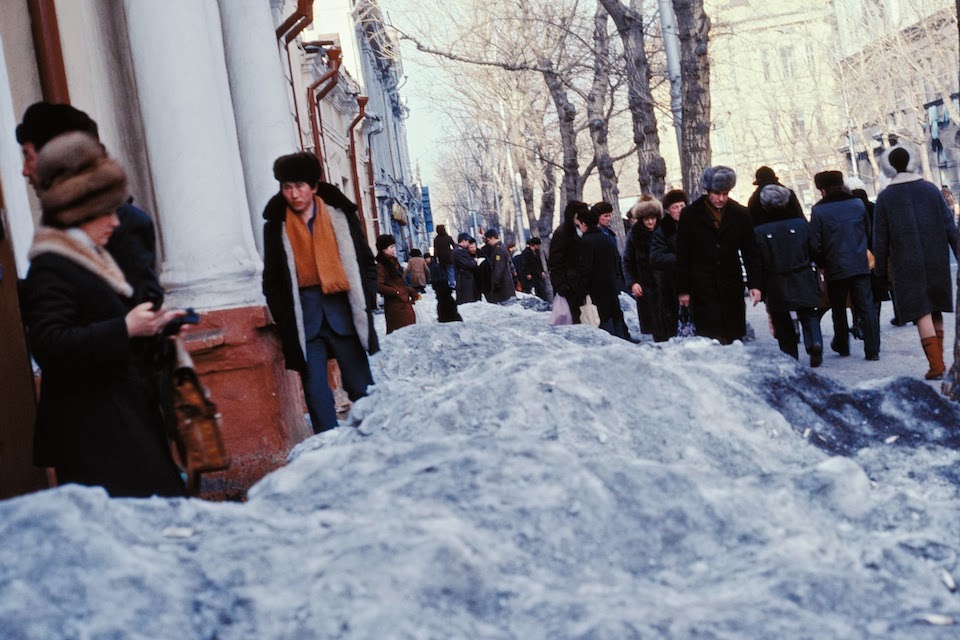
[
  {"x": 467, "y": 271},
  {"x": 712, "y": 234},
  {"x": 766, "y": 176},
  {"x": 564, "y": 259},
  {"x": 443, "y": 254},
  {"x": 133, "y": 243},
  {"x": 532, "y": 276},
  {"x": 320, "y": 281},
  {"x": 600, "y": 275},
  {"x": 839, "y": 228}
]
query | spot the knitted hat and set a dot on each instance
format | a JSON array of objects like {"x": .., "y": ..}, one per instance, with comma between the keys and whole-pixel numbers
[
  {"x": 766, "y": 175},
  {"x": 77, "y": 181},
  {"x": 383, "y": 241},
  {"x": 828, "y": 179},
  {"x": 647, "y": 206},
  {"x": 718, "y": 179},
  {"x": 298, "y": 167},
  {"x": 43, "y": 121},
  {"x": 774, "y": 197},
  {"x": 672, "y": 197}
]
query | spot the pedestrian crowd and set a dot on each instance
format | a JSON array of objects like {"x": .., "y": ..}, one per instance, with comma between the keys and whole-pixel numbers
[{"x": 96, "y": 322}]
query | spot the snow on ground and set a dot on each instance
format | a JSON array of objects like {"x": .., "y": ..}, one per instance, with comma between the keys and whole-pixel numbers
[{"x": 506, "y": 479}]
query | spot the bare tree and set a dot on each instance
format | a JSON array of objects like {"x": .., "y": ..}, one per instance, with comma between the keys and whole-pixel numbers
[{"x": 693, "y": 25}]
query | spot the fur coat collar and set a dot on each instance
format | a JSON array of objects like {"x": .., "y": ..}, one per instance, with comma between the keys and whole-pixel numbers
[{"x": 97, "y": 261}]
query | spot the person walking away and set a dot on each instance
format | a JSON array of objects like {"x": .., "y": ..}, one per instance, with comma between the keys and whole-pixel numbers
[
  {"x": 564, "y": 259},
  {"x": 443, "y": 254},
  {"x": 915, "y": 230},
  {"x": 788, "y": 277},
  {"x": 418, "y": 272},
  {"x": 501, "y": 273},
  {"x": 712, "y": 235},
  {"x": 663, "y": 260},
  {"x": 839, "y": 228},
  {"x": 636, "y": 261},
  {"x": 320, "y": 282},
  {"x": 766, "y": 176},
  {"x": 99, "y": 421},
  {"x": 467, "y": 268},
  {"x": 398, "y": 298},
  {"x": 600, "y": 262}
]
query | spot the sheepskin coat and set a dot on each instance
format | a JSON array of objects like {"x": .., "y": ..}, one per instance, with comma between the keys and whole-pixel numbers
[
  {"x": 915, "y": 230},
  {"x": 708, "y": 267},
  {"x": 98, "y": 421},
  {"x": 397, "y": 296},
  {"x": 418, "y": 272},
  {"x": 280, "y": 274}
]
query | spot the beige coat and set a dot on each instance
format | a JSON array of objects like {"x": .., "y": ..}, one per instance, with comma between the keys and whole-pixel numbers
[{"x": 418, "y": 272}]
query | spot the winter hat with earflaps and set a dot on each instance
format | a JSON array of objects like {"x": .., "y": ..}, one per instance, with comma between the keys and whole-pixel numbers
[
  {"x": 719, "y": 179},
  {"x": 78, "y": 181}
]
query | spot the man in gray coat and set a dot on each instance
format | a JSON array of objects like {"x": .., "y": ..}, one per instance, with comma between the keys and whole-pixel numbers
[{"x": 914, "y": 228}]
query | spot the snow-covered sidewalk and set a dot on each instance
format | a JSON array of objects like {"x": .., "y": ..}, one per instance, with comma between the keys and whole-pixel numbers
[{"x": 505, "y": 479}]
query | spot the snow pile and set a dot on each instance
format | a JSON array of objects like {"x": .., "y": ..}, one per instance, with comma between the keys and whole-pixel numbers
[{"x": 506, "y": 479}]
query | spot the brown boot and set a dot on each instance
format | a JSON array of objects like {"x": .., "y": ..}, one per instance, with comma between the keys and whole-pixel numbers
[
  {"x": 931, "y": 347},
  {"x": 940, "y": 340}
]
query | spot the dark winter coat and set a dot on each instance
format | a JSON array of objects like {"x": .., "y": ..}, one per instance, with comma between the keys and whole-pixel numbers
[
  {"x": 397, "y": 296},
  {"x": 133, "y": 245},
  {"x": 565, "y": 269},
  {"x": 280, "y": 274},
  {"x": 709, "y": 268},
  {"x": 443, "y": 250},
  {"x": 600, "y": 269},
  {"x": 98, "y": 421},
  {"x": 530, "y": 265},
  {"x": 501, "y": 286},
  {"x": 636, "y": 263},
  {"x": 759, "y": 216},
  {"x": 916, "y": 230},
  {"x": 466, "y": 270},
  {"x": 663, "y": 259},
  {"x": 789, "y": 279},
  {"x": 839, "y": 227}
]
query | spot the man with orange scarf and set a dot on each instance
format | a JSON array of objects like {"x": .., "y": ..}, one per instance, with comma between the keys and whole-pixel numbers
[{"x": 320, "y": 281}]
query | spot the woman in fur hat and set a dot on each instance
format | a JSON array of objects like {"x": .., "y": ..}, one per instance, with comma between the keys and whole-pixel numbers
[
  {"x": 636, "y": 261},
  {"x": 398, "y": 298},
  {"x": 712, "y": 234},
  {"x": 915, "y": 230},
  {"x": 98, "y": 421},
  {"x": 663, "y": 260}
]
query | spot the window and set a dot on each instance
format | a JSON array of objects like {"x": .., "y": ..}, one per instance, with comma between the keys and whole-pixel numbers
[
  {"x": 765, "y": 62},
  {"x": 786, "y": 62},
  {"x": 799, "y": 124}
]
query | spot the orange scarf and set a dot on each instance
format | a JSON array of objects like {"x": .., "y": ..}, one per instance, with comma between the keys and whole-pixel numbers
[{"x": 316, "y": 255}]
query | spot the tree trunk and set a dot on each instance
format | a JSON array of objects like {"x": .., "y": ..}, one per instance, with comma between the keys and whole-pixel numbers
[
  {"x": 652, "y": 170},
  {"x": 694, "y": 29},
  {"x": 548, "y": 197},
  {"x": 526, "y": 192},
  {"x": 567, "y": 115}
]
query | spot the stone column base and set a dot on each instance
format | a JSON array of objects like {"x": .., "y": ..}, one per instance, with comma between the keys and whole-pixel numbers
[{"x": 237, "y": 354}]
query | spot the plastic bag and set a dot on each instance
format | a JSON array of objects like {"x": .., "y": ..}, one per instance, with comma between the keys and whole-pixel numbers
[
  {"x": 589, "y": 314},
  {"x": 561, "y": 313}
]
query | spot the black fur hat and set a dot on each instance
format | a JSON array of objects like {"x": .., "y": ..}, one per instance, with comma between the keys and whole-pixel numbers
[
  {"x": 828, "y": 180},
  {"x": 385, "y": 241},
  {"x": 43, "y": 121},
  {"x": 672, "y": 197},
  {"x": 298, "y": 167}
]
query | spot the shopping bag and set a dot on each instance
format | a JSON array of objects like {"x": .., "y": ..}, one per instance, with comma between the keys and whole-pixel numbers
[
  {"x": 589, "y": 314},
  {"x": 685, "y": 326},
  {"x": 561, "y": 313}
]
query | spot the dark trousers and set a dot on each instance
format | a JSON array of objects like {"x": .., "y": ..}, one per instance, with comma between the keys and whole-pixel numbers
[
  {"x": 354, "y": 370},
  {"x": 858, "y": 287},
  {"x": 787, "y": 334}
]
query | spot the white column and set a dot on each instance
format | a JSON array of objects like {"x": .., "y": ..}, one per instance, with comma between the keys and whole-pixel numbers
[
  {"x": 14, "y": 185},
  {"x": 209, "y": 256},
  {"x": 264, "y": 122}
]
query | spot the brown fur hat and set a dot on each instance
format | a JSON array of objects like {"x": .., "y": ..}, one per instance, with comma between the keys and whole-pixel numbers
[
  {"x": 78, "y": 182},
  {"x": 646, "y": 206}
]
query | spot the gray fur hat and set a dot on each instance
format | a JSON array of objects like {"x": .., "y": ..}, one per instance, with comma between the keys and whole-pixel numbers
[
  {"x": 912, "y": 167},
  {"x": 774, "y": 197},
  {"x": 719, "y": 178}
]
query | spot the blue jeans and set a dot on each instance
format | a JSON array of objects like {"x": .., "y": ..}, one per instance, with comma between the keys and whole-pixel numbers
[
  {"x": 354, "y": 370},
  {"x": 451, "y": 277}
]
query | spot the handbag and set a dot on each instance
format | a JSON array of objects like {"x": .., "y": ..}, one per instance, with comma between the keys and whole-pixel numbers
[
  {"x": 685, "y": 326},
  {"x": 197, "y": 437},
  {"x": 589, "y": 314},
  {"x": 561, "y": 313}
]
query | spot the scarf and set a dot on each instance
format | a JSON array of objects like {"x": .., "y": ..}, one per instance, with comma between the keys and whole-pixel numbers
[
  {"x": 82, "y": 252},
  {"x": 316, "y": 255},
  {"x": 716, "y": 215}
]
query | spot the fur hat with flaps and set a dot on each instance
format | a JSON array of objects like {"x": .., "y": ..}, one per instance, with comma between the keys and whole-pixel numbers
[
  {"x": 385, "y": 241},
  {"x": 890, "y": 169},
  {"x": 78, "y": 181},
  {"x": 646, "y": 206},
  {"x": 718, "y": 179},
  {"x": 298, "y": 167}
]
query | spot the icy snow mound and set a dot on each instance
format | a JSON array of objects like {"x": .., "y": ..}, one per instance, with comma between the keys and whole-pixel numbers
[{"x": 506, "y": 479}]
